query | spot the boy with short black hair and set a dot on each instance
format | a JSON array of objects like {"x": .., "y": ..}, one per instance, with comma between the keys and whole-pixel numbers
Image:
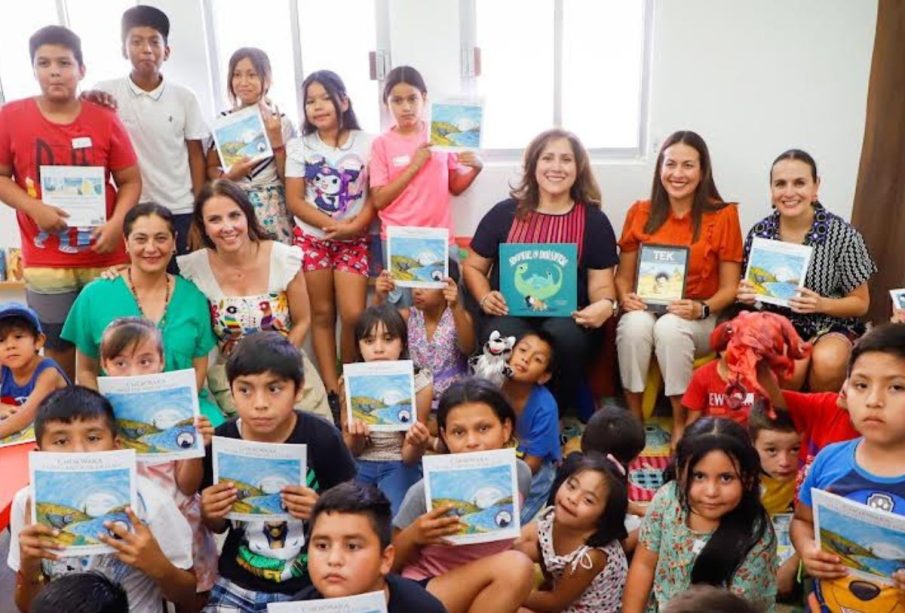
[
  {"x": 89, "y": 592},
  {"x": 537, "y": 425},
  {"x": 55, "y": 128},
  {"x": 163, "y": 118},
  {"x": 151, "y": 561},
  {"x": 26, "y": 378},
  {"x": 350, "y": 551},
  {"x": 867, "y": 470},
  {"x": 265, "y": 562}
]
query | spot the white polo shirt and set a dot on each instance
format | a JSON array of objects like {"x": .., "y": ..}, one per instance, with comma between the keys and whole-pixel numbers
[{"x": 159, "y": 122}]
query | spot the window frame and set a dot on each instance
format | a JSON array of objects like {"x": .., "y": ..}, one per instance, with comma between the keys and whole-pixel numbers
[
  {"x": 217, "y": 82},
  {"x": 469, "y": 46}
]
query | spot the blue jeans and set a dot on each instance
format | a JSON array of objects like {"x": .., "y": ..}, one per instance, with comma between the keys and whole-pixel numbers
[
  {"x": 393, "y": 478},
  {"x": 541, "y": 483},
  {"x": 227, "y": 597}
]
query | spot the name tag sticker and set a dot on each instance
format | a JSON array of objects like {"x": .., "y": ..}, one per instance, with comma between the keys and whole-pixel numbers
[
  {"x": 402, "y": 160},
  {"x": 82, "y": 142}
]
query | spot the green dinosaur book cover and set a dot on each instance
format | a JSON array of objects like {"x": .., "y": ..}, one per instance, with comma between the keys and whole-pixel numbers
[{"x": 539, "y": 279}]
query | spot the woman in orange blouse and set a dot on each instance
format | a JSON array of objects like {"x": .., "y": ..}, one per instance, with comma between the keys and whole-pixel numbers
[{"x": 685, "y": 209}]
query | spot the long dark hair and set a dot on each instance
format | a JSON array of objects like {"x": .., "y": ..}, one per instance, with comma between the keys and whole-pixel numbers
[
  {"x": 336, "y": 90},
  {"x": 611, "y": 523},
  {"x": 706, "y": 196},
  {"x": 473, "y": 390},
  {"x": 386, "y": 314},
  {"x": 224, "y": 187},
  {"x": 744, "y": 526},
  {"x": 527, "y": 192},
  {"x": 795, "y": 154},
  {"x": 403, "y": 74}
]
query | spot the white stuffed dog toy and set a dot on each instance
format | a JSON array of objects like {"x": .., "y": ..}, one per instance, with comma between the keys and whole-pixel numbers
[{"x": 492, "y": 364}]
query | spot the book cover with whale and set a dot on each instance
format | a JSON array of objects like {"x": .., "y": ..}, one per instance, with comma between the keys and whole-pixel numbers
[
  {"x": 259, "y": 472},
  {"x": 77, "y": 493},
  {"x": 155, "y": 414},
  {"x": 539, "y": 279},
  {"x": 381, "y": 394},
  {"x": 481, "y": 487}
]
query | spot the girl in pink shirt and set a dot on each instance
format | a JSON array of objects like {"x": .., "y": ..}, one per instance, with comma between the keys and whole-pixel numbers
[{"x": 410, "y": 184}]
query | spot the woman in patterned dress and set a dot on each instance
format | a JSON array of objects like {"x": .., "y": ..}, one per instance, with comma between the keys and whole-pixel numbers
[
  {"x": 828, "y": 309},
  {"x": 251, "y": 284}
]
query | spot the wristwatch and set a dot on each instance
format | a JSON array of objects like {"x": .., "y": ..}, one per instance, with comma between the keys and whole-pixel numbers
[{"x": 705, "y": 310}]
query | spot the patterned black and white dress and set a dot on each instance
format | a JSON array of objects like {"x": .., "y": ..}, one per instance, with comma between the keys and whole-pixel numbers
[{"x": 839, "y": 264}]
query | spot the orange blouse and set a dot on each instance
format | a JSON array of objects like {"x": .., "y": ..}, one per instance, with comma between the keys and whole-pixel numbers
[{"x": 720, "y": 240}]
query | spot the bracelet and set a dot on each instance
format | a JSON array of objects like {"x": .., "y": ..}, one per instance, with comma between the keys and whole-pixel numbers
[{"x": 279, "y": 148}]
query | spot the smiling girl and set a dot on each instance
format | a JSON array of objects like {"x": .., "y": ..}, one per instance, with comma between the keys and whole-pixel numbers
[
  {"x": 706, "y": 526},
  {"x": 250, "y": 78}
]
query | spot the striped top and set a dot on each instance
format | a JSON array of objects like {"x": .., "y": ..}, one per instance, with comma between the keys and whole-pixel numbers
[{"x": 584, "y": 225}]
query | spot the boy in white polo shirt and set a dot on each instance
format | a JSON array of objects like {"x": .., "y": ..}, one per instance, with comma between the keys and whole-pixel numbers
[{"x": 163, "y": 119}]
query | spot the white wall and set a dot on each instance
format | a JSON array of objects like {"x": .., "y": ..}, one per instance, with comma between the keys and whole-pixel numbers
[{"x": 754, "y": 77}]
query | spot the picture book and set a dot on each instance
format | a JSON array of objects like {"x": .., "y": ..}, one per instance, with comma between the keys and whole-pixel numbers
[
  {"x": 78, "y": 190},
  {"x": 662, "y": 270},
  {"x": 539, "y": 279},
  {"x": 14, "y": 264},
  {"x": 777, "y": 269},
  {"x": 419, "y": 257},
  {"x": 869, "y": 541},
  {"x": 482, "y": 489},
  {"x": 76, "y": 493},
  {"x": 784, "y": 549},
  {"x": 241, "y": 134},
  {"x": 16, "y": 438},
  {"x": 456, "y": 124},
  {"x": 381, "y": 394},
  {"x": 259, "y": 472},
  {"x": 371, "y": 602},
  {"x": 898, "y": 298},
  {"x": 155, "y": 414}
]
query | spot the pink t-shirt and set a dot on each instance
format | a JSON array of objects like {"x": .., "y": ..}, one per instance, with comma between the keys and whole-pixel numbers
[{"x": 424, "y": 202}]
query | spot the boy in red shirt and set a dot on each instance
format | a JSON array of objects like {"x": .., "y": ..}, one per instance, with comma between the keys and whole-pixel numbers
[{"x": 56, "y": 129}]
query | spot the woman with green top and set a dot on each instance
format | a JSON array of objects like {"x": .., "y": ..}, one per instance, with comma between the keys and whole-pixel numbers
[{"x": 144, "y": 289}]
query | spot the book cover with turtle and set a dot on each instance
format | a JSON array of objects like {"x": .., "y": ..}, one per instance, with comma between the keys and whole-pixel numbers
[
  {"x": 77, "y": 493},
  {"x": 155, "y": 414},
  {"x": 370, "y": 602},
  {"x": 777, "y": 269},
  {"x": 259, "y": 472},
  {"x": 482, "y": 489},
  {"x": 456, "y": 124},
  {"x": 539, "y": 279},
  {"x": 661, "y": 275},
  {"x": 381, "y": 394},
  {"x": 418, "y": 257}
]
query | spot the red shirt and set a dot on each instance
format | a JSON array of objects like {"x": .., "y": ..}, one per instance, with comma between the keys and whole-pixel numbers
[
  {"x": 28, "y": 141},
  {"x": 821, "y": 421},
  {"x": 706, "y": 393}
]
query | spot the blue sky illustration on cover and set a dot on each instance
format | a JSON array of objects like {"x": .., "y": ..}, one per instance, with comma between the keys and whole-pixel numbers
[
  {"x": 418, "y": 259},
  {"x": 157, "y": 421},
  {"x": 93, "y": 492},
  {"x": 481, "y": 497},
  {"x": 391, "y": 395},
  {"x": 456, "y": 125},
  {"x": 863, "y": 546},
  {"x": 258, "y": 481},
  {"x": 777, "y": 274}
]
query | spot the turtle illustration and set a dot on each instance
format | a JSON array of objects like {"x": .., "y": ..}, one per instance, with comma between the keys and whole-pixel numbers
[{"x": 537, "y": 289}]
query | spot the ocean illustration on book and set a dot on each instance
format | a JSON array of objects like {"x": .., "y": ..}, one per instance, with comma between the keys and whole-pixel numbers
[
  {"x": 381, "y": 394},
  {"x": 77, "y": 493},
  {"x": 777, "y": 269},
  {"x": 419, "y": 257},
  {"x": 155, "y": 414},
  {"x": 241, "y": 134},
  {"x": 481, "y": 488},
  {"x": 259, "y": 472},
  {"x": 456, "y": 125}
]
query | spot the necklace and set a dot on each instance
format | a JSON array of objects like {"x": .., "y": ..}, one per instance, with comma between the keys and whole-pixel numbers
[{"x": 166, "y": 299}]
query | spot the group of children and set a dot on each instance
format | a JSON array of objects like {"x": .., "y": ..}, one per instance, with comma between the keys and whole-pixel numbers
[
  {"x": 709, "y": 524},
  {"x": 360, "y": 520}
]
